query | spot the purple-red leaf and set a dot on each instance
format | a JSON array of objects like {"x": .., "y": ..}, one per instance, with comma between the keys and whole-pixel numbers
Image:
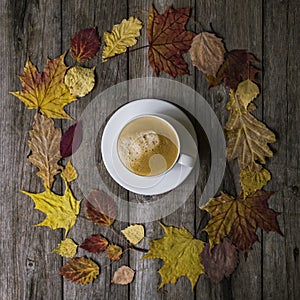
[
  {"x": 71, "y": 140},
  {"x": 95, "y": 243},
  {"x": 85, "y": 44}
]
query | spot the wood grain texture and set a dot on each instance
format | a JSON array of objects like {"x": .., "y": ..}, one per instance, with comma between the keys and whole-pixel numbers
[{"x": 40, "y": 28}]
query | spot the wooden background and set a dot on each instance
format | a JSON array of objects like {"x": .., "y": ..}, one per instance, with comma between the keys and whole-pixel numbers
[{"x": 41, "y": 28}]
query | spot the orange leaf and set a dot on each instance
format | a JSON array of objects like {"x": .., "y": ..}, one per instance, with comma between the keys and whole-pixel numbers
[
  {"x": 168, "y": 40},
  {"x": 85, "y": 44},
  {"x": 95, "y": 243},
  {"x": 80, "y": 270},
  {"x": 100, "y": 208},
  {"x": 114, "y": 252}
]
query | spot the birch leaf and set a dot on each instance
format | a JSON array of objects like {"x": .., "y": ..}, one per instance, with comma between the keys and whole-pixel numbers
[
  {"x": 95, "y": 244},
  {"x": 44, "y": 145},
  {"x": 180, "y": 252},
  {"x": 69, "y": 173},
  {"x": 134, "y": 233},
  {"x": 247, "y": 91},
  {"x": 122, "y": 36},
  {"x": 66, "y": 248},
  {"x": 114, "y": 252},
  {"x": 46, "y": 91},
  {"x": 124, "y": 275}
]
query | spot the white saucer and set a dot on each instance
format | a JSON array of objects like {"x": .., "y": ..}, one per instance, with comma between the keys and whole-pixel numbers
[{"x": 139, "y": 184}]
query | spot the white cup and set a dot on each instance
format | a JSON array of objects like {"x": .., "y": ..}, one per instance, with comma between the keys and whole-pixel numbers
[{"x": 134, "y": 130}]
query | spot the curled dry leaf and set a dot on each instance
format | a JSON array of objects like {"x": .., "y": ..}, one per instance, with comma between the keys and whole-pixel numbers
[
  {"x": 95, "y": 244},
  {"x": 248, "y": 138},
  {"x": 80, "y": 81},
  {"x": 207, "y": 53},
  {"x": 100, "y": 208},
  {"x": 239, "y": 218},
  {"x": 61, "y": 211},
  {"x": 71, "y": 140},
  {"x": 69, "y": 173},
  {"x": 134, "y": 233},
  {"x": 114, "y": 252},
  {"x": 168, "y": 40},
  {"x": 46, "y": 91},
  {"x": 221, "y": 261},
  {"x": 85, "y": 44},
  {"x": 180, "y": 252},
  {"x": 44, "y": 146},
  {"x": 67, "y": 248},
  {"x": 121, "y": 37},
  {"x": 124, "y": 275},
  {"x": 80, "y": 270}
]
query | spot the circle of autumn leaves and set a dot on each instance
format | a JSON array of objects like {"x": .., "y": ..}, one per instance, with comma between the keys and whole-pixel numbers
[{"x": 233, "y": 220}]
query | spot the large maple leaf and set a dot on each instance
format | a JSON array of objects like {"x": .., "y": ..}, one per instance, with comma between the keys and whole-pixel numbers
[
  {"x": 180, "y": 252},
  {"x": 44, "y": 144},
  {"x": 168, "y": 40},
  {"x": 46, "y": 91},
  {"x": 239, "y": 218},
  {"x": 61, "y": 211},
  {"x": 248, "y": 138}
]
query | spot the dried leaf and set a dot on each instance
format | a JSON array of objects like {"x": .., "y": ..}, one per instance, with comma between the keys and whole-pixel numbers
[
  {"x": 67, "y": 248},
  {"x": 253, "y": 180},
  {"x": 122, "y": 36},
  {"x": 80, "y": 270},
  {"x": 180, "y": 252},
  {"x": 114, "y": 252},
  {"x": 85, "y": 44},
  {"x": 238, "y": 66},
  {"x": 134, "y": 233},
  {"x": 69, "y": 173},
  {"x": 80, "y": 81},
  {"x": 44, "y": 146},
  {"x": 46, "y": 91},
  {"x": 207, "y": 53},
  {"x": 247, "y": 91},
  {"x": 124, "y": 275},
  {"x": 61, "y": 211},
  {"x": 239, "y": 218},
  {"x": 248, "y": 138},
  {"x": 95, "y": 243},
  {"x": 71, "y": 140},
  {"x": 221, "y": 261},
  {"x": 168, "y": 40},
  {"x": 100, "y": 208}
]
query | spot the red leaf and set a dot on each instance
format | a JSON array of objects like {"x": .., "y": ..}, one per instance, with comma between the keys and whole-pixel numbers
[
  {"x": 95, "y": 243},
  {"x": 221, "y": 261},
  {"x": 168, "y": 40},
  {"x": 71, "y": 140},
  {"x": 85, "y": 44},
  {"x": 100, "y": 208}
]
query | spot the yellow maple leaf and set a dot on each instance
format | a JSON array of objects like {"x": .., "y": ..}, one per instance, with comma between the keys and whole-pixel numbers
[
  {"x": 180, "y": 252},
  {"x": 122, "y": 36},
  {"x": 66, "y": 247},
  {"x": 80, "y": 80},
  {"x": 69, "y": 173},
  {"x": 61, "y": 211},
  {"x": 46, "y": 91},
  {"x": 134, "y": 233}
]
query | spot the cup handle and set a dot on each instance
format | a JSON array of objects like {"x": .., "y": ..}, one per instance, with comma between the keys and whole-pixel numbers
[{"x": 186, "y": 160}]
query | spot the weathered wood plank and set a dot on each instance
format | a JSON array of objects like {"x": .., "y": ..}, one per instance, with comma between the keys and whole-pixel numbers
[
  {"x": 231, "y": 21},
  {"x": 28, "y": 29},
  {"x": 78, "y": 15},
  {"x": 281, "y": 88}
]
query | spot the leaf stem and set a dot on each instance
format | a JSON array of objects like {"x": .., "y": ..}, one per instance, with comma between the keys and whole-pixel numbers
[{"x": 138, "y": 48}]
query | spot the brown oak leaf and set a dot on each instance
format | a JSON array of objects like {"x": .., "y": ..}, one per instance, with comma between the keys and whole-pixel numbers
[
  {"x": 85, "y": 44},
  {"x": 95, "y": 243},
  {"x": 114, "y": 252},
  {"x": 80, "y": 270},
  {"x": 168, "y": 40},
  {"x": 238, "y": 66},
  {"x": 221, "y": 261},
  {"x": 239, "y": 218},
  {"x": 100, "y": 208},
  {"x": 207, "y": 53}
]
